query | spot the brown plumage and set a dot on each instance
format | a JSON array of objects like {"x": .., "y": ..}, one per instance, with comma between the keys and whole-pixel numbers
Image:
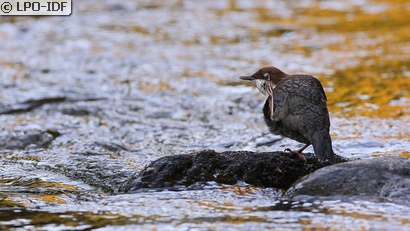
[{"x": 295, "y": 108}]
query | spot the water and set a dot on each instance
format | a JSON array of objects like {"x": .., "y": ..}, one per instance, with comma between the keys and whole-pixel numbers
[{"x": 118, "y": 85}]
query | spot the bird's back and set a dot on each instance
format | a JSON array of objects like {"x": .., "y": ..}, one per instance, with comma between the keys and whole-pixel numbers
[{"x": 301, "y": 103}]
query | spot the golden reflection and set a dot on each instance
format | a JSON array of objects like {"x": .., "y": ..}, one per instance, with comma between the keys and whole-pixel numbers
[
  {"x": 36, "y": 183},
  {"x": 52, "y": 198},
  {"x": 378, "y": 41},
  {"x": 40, "y": 183},
  {"x": 405, "y": 154},
  {"x": 156, "y": 87},
  {"x": 7, "y": 201},
  {"x": 370, "y": 90},
  {"x": 241, "y": 190}
]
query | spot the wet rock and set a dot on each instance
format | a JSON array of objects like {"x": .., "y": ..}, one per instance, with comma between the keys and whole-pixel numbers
[
  {"x": 107, "y": 176},
  {"x": 267, "y": 169},
  {"x": 38, "y": 139},
  {"x": 384, "y": 177}
]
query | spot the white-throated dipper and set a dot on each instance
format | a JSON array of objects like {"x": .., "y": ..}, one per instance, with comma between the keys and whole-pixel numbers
[{"x": 295, "y": 108}]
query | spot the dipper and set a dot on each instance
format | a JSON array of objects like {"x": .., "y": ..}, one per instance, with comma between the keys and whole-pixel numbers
[{"x": 296, "y": 108}]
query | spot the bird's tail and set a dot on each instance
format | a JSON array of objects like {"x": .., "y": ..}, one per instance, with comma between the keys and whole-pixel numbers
[{"x": 322, "y": 145}]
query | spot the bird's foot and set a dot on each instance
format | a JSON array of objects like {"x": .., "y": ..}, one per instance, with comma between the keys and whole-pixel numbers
[{"x": 297, "y": 153}]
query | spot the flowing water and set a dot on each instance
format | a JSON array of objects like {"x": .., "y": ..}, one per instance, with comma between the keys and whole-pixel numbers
[{"x": 89, "y": 99}]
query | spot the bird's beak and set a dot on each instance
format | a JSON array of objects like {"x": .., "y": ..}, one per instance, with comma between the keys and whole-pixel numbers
[{"x": 250, "y": 78}]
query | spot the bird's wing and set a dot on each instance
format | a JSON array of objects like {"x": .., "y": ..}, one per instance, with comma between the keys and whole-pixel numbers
[
  {"x": 280, "y": 100},
  {"x": 277, "y": 127},
  {"x": 295, "y": 93}
]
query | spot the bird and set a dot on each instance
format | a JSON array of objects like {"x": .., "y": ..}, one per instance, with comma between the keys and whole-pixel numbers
[{"x": 295, "y": 108}]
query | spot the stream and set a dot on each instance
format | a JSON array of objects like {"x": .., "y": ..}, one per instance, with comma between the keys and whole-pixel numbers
[{"x": 87, "y": 100}]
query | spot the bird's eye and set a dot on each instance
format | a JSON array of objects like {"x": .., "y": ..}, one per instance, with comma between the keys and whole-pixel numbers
[{"x": 265, "y": 75}]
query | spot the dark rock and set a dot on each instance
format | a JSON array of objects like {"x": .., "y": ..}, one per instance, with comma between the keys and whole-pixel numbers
[
  {"x": 38, "y": 139},
  {"x": 268, "y": 169},
  {"x": 116, "y": 7},
  {"x": 31, "y": 104},
  {"x": 114, "y": 147},
  {"x": 384, "y": 177},
  {"x": 76, "y": 111}
]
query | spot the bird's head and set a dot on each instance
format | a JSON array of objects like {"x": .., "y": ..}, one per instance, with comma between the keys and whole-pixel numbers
[{"x": 272, "y": 75}]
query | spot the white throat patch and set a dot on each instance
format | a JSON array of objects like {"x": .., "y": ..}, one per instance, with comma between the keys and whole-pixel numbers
[{"x": 261, "y": 85}]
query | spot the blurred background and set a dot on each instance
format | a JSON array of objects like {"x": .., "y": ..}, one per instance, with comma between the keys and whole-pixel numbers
[{"x": 88, "y": 99}]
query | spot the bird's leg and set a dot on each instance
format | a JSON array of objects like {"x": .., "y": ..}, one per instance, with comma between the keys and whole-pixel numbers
[{"x": 298, "y": 152}]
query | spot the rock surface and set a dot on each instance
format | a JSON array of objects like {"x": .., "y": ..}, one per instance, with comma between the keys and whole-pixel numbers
[
  {"x": 267, "y": 169},
  {"x": 384, "y": 177}
]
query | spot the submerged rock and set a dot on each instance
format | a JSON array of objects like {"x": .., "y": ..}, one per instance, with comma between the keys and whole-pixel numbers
[
  {"x": 29, "y": 105},
  {"x": 38, "y": 101},
  {"x": 37, "y": 139},
  {"x": 384, "y": 177},
  {"x": 267, "y": 169}
]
